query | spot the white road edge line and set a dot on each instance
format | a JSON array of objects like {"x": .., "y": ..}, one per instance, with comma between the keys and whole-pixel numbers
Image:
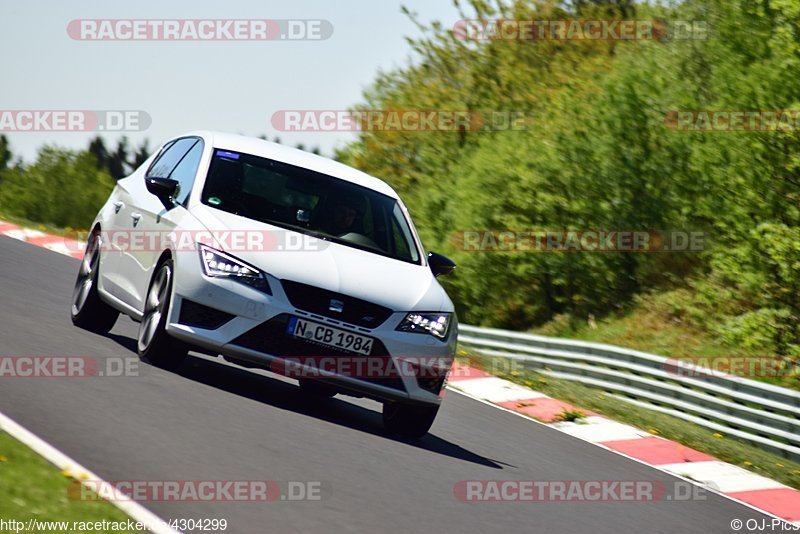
[
  {"x": 638, "y": 461},
  {"x": 135, "y": 510}
]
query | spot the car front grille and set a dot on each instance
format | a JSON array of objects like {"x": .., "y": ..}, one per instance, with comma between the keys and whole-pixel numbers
[{"x": 323, "y": 302}]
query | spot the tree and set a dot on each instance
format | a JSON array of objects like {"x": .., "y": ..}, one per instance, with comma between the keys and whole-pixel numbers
[
  {"x": 64, "y": 188},
  {"x": 598, "y": 156},
  {"x": 117, "y": 163},
  {"x": 97, "y": 147},
  {"x": 5, "y": 153},
  {"x": 141, "y": 154}
]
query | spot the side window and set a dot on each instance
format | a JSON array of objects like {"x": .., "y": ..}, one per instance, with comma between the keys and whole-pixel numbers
[
  {"x": 166, "y": 162},
  {"x": 186, "y": 171}
]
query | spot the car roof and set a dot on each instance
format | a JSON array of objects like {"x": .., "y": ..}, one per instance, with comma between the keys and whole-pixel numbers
[{"x": 293, "y": 156}]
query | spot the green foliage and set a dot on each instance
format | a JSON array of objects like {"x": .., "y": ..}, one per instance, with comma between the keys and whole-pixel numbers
[
  {"x": 62, "y": 188},
  {"x": 762, "y": 329},
  {"x": 5, "y": 153},
  {"x": 599, "y": 156}
]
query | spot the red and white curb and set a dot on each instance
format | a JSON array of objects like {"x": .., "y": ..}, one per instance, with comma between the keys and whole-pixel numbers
[
  {"x": 60, "y": 244},
  {"x": 753, "y": 490}
]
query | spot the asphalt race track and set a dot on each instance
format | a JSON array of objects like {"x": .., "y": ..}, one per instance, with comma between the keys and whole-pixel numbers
[{"x": 211, "y": 421}]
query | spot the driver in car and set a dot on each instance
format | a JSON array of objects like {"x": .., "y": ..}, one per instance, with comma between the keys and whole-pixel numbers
[{"x": 344, "y": 216}]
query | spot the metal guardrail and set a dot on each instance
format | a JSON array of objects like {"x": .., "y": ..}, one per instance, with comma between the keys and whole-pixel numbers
[{"x": 764, "y": 415}]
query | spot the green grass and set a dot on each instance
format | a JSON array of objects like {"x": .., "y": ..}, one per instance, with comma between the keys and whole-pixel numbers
[
  {"x": 650, "y": 326},
  {"x": 644, "y": 327},
  {"x": 696, "y": 437},
  {"x": 30, "y": 487},
  {"x": 571, "y": 415}
]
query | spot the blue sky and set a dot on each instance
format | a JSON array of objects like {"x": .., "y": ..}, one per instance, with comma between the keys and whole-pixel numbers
[{"x": 229, "y": 86}]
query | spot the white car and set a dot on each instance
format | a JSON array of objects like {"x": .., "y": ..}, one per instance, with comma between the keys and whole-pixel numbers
[{"x": 278, "y": 259}]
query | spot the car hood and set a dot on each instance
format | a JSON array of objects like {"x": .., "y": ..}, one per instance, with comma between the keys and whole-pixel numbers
[{"x": 395, "y": 284}]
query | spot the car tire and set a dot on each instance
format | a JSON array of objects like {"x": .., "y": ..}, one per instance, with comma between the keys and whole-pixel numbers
[
  {"x": 409, "y": 420},
  {"x": 88, "y": 311},
  {"x": 153, "y": 343},
  {"x": 316, "y": 388}
]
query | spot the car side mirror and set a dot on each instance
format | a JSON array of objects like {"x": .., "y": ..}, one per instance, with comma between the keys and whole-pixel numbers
[
  {"x": 164, "y": 189},
  {"x": 439, "y": 264}
]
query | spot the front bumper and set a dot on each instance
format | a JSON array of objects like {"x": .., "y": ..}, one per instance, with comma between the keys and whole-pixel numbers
[{"x": 248, "y": 327}]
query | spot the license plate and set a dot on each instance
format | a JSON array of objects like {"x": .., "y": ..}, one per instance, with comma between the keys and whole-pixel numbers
[{"x": 330, "y": 337}]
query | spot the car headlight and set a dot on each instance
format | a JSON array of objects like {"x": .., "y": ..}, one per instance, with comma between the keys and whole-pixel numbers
[
  {"x": 435, "y": 324},
  {"x": 218, "y": 264}
]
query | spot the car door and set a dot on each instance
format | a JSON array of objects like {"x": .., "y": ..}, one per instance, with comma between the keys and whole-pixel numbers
[
  {"x": 149, "y": 222},
  {"x": 114, "y": 227}
]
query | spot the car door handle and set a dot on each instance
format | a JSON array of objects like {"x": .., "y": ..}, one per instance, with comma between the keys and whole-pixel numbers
[
  {"x": 136, "y": 217},
  {"x": 117, "y": 206}
]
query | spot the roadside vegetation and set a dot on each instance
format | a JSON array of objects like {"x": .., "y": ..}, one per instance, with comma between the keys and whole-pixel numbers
[
  {"x": 61, "y": 188},
  {"x": 598, "y": 155},
  {"x": 33, "y": 488},
  {"x": 655, "y": 323}
]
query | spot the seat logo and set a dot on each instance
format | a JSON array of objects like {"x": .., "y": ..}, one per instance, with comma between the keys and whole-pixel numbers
[{"x": 336, "y": 306}]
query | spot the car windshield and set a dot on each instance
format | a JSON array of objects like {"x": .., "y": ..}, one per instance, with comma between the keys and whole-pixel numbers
[{"x": 309, "y": 202}]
